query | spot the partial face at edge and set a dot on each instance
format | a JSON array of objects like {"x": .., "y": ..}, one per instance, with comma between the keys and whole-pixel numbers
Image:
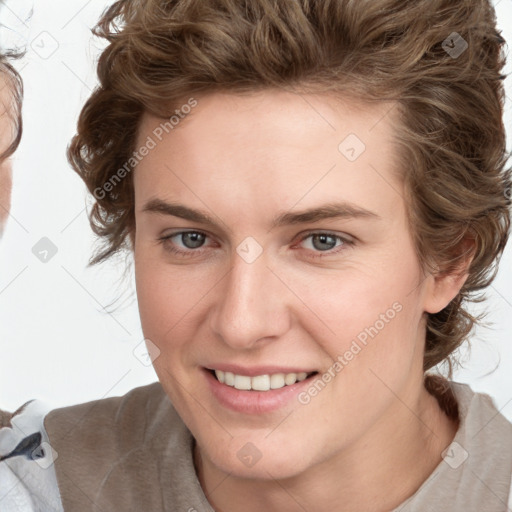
[
  {"x": 6, "y": 137},
  {"x": 242, "y": 293}
]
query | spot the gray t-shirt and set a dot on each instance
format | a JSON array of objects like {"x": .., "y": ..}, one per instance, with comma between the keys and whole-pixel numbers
[{"x": 135, "y": 453}]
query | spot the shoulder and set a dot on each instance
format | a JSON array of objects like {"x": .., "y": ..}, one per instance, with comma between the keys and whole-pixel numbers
[
  {"x": 111, "y": 427},
  {"x": 484, "y": 436},
  {"x": 481, "y": 416},
  {"x": 478, "y": 461},
  {"x": 114, "y": 451},
  {"x": 129, "y": 418},
  {"x": 477, "y": 412},
  {"x": 107, "y": 451}
]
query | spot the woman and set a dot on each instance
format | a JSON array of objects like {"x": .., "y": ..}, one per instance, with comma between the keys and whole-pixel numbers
[{"x": 312, "y": 193}]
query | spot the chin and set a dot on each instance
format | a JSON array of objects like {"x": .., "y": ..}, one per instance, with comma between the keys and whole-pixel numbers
[{"x": 256, "y": 459}]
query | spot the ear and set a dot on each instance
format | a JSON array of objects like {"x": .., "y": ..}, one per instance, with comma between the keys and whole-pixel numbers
[{"x": 444, "y": 286}]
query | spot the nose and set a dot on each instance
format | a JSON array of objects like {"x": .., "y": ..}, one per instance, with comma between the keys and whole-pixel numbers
[{"x": 251, "y": 306}]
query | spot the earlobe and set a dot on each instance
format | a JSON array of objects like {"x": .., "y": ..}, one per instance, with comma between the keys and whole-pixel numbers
[
  {"x": 445, "y": 286},
  {"x": 443, "y": 290}
]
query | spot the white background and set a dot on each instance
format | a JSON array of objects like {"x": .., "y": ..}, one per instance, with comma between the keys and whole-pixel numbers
[{"x": 59, "y": 341}]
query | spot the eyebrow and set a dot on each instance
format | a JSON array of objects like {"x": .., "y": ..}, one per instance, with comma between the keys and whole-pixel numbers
[{"x": 336, "y": 210}]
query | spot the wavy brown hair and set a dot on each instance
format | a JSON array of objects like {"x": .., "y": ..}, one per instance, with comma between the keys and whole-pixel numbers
[{"x": 449, "y": 99}]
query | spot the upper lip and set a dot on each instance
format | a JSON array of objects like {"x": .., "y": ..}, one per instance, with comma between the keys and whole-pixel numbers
[{"x": 257, "y": 370}]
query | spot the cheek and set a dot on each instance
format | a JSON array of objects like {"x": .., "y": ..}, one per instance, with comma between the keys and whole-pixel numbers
[
  {"x": 168, "y": 302},
  {"x": 354, "y": 299},
  {"x": 370, "y": 316},
  {"x": 159, "y": 306}
]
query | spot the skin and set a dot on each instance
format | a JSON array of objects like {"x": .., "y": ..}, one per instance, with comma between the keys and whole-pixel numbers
[
  {"x": 6, "y": 136},
  {"x": 244, "y": 160}
]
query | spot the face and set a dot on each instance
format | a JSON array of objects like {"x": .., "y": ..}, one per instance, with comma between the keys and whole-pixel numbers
[
  {"x": 6, "y": 134},
  {"x": 272, "y": 245}
]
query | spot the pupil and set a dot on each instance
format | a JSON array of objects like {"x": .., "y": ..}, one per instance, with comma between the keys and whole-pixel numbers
[
  {"x": 193, "y": 240},
  {"x": 322, "y": 239}
]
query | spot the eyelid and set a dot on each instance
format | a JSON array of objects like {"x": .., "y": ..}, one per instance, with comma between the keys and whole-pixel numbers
[
  {"x": 300, "y": 237},
  {"x": 344, "y": 236},
  {"x": 165, "y": 237}
]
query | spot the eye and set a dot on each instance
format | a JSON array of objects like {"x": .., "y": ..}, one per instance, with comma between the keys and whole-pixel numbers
[
  {"x": 326, "y": 243},
  {"x": 191, "y": 240}
]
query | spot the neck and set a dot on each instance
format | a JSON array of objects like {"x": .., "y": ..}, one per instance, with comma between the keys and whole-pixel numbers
[{"x": 375, "y": 474}]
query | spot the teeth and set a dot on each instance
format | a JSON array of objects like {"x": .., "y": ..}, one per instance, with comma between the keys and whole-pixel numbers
[
  {"x": 259, "y": 382},
  {"x": 290, "y": 378},
  {"x": 242, "y": 382},
  {"x": 277, "y": 381},
  {"x": 229, "y": 379}
]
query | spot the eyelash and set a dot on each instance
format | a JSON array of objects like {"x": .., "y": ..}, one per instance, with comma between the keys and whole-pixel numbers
[{"x": 193, "y": 252}]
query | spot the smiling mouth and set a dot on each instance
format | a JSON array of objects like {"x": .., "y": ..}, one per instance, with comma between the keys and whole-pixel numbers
[{"x": 260, "y": 382}]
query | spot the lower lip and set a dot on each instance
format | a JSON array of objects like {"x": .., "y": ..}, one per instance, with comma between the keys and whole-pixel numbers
[{"x": 254, "y": 402}]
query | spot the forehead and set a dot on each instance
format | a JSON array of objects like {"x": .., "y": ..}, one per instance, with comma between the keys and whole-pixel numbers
[
  {"x": 275, "y": 145},
  {"x": 324, "y": 112},
  {"x": 271, "y": 125}
]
